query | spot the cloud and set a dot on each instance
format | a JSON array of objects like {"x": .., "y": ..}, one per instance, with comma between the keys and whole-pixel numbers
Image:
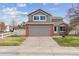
[
  {"x": 21, "y": 5},
  {"x": 30, "y": 3},
  {"x": 44, "y": 4},
  {"x": 11, "y": 13},
  {"x": 56, "y": 4}
]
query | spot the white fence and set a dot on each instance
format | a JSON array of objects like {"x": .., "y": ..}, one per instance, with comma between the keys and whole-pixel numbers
[{"x": 2, "y": 35}]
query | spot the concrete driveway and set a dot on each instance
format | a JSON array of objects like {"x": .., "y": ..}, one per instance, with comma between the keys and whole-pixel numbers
[
  {"x": 38, "y": 45},
  {"x": 39, "y": 42}
]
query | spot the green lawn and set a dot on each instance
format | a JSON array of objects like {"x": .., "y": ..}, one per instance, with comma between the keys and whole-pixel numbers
[
  {"x": 69, "y": 41},
  {"x": 12, "y": 40}
]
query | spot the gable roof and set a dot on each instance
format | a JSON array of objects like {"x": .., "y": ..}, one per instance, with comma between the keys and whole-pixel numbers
[
  {"x": 39, "y": 10},
  {"x": 64, "y": 23}
]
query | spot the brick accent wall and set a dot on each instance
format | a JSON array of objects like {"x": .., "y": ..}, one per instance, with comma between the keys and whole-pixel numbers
[
  {"x": 27, "y": 30},
  {"x": 51, "y": 30}
]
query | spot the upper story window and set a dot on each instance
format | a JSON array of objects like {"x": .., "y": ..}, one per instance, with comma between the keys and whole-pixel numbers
[
  {"x": 39, "y": 18},
  {"x": 36, "y": 17},
  {"x": 42, "y": 17}
]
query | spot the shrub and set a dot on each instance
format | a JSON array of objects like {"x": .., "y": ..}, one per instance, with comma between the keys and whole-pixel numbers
[{"x": 15, "y": 35}]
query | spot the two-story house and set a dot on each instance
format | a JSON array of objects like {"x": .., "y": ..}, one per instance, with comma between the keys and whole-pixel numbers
[{"x": 42, "y": 23}]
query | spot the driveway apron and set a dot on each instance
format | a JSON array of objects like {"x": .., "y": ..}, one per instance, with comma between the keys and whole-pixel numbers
[{"x": 38, "y": 45}]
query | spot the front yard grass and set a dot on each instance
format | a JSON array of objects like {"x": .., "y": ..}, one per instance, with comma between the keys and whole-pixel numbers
[
  {"x": 13, "y": 40},
  {"x": 68, "y": 41}
]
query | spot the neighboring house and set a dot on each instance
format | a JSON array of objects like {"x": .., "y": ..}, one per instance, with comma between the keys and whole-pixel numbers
[
  {"x": 41, "y": 23},
  {"x": 2, "y": 26},
  {"x": 7, "y": 28}
]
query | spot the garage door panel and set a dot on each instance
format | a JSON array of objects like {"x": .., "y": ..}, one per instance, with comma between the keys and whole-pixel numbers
[{"x": 39, "y": 30}]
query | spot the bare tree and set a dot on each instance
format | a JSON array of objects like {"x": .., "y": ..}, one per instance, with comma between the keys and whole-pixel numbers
[{"x": 73, "y": 15}]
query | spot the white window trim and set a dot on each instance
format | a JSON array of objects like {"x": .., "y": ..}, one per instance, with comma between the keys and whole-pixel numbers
[
  {"x": 33, "y": 18},
  {"x": 39, "y": 18},
  {"x": 45, "y": 18},
  {"x": 62, "y": 30},
  {"x": 56, "y": 29}
]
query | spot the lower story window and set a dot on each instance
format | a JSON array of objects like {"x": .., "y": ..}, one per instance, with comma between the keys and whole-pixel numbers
[
  {"x": 55, "y": 28},
  {"x": 62, "y": 28}
]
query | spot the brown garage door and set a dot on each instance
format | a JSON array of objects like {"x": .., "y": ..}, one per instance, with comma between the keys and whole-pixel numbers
[{"x": 39, "y": 30}]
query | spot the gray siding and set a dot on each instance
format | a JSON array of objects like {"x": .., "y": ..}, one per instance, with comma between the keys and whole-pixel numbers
[{"x": 30, "y": 17}]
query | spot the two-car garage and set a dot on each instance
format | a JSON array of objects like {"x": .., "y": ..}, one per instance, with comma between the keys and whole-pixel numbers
[{"x": 39, "y": 30}]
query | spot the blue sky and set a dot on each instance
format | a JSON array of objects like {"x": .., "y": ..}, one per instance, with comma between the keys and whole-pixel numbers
[{"x": 19, "y": 11}]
